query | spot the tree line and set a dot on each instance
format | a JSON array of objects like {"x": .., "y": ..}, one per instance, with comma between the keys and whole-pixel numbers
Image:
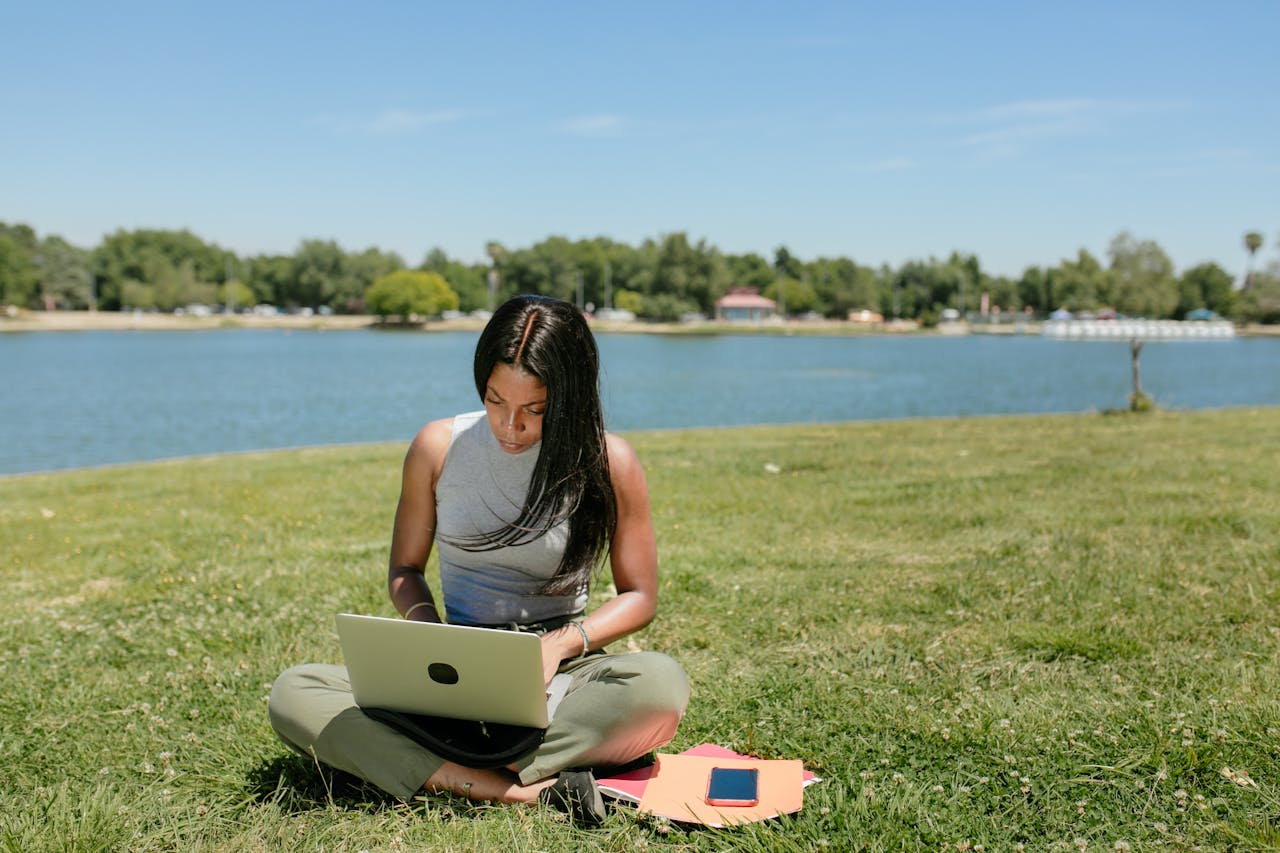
[{"x": 663, "y": 278}]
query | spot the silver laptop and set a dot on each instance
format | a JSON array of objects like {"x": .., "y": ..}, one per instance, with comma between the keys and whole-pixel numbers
[{"x": 448, "y": 670}]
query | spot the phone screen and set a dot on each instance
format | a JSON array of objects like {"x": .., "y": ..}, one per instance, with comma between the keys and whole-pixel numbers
[{"x": 733, "y": 786}]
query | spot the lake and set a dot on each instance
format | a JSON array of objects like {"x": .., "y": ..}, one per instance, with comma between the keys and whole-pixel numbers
[{"x": 95, "y": 398}]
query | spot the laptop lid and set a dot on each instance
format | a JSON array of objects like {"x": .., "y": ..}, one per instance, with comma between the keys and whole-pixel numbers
[{"x": 444, "y": 670}]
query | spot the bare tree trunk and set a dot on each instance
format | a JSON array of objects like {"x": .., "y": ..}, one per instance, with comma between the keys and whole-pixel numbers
[
  {"x": 1138, "y": 400},
  {"x": 1135, "y": 348}
]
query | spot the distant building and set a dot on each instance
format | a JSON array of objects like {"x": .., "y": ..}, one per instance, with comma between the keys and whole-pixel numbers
[{"x": 745, "y": 304}]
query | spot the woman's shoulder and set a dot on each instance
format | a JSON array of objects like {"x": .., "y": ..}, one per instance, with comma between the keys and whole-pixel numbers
[
  {"x": 430, "y": 446},
  {"x": 623, "y": 462}
]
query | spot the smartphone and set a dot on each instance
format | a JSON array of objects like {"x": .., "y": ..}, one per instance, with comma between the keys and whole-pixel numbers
[{"x": 733, "y": 786}]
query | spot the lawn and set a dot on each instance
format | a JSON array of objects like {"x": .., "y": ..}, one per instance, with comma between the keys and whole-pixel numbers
[{"x": 1043, "y": 632}]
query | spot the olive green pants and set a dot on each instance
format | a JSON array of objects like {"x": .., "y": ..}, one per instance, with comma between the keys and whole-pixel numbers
[{"x": 616, "y": 709}]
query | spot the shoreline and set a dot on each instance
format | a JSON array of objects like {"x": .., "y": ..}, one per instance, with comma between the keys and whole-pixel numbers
[{"x": 118, "y": 321}]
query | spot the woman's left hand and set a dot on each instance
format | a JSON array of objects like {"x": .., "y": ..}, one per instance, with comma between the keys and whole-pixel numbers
[{"x": 558, "y": 646}]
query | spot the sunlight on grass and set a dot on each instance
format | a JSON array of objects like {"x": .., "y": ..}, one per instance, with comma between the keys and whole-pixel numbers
[{"x": 1056, "y": 632}]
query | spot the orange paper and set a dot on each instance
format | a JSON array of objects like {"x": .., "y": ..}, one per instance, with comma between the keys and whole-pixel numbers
[{"x": 678, "y": 790}]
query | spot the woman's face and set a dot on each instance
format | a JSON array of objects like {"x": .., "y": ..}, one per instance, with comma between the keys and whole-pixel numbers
[{"x": 515, "y": 402}]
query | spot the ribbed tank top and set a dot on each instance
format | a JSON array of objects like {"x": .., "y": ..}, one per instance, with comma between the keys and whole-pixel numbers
[{"x": 481, "y": 488}]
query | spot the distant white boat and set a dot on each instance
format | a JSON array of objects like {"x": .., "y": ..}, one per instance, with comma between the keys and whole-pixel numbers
[{"x": 1144, "y": 330}]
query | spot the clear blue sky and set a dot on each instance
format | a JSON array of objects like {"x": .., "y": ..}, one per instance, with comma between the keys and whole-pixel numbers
[{"x": 1020, "y": 132}]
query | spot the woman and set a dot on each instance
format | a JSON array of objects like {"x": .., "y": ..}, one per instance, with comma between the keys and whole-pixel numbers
[{"x": 523, "y": 500}]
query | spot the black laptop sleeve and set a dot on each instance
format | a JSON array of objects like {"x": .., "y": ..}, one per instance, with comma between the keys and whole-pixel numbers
[{"x": 471, "y": 743}]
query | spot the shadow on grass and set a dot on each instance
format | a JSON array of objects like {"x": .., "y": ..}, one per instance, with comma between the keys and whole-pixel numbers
[{"x": 296, "y": 784}]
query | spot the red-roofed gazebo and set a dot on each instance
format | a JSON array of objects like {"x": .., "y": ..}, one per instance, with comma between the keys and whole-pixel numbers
[{"x": 745, "y": 304}]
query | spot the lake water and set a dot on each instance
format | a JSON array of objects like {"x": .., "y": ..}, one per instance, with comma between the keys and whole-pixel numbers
[{"x": 94, "y": 398}]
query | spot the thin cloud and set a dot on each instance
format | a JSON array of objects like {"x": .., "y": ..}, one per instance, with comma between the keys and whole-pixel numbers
[
  {"x": 1009, "y": 129},
  {"x": 605, "y": 124},
  {"x": 401, "y": 121}
]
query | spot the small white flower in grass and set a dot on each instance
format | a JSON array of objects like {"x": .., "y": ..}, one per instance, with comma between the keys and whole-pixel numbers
[
  {"x": 1240, "y": 777},
  {"x": 1122, "y": 845},
  {"x": 171, "y": 652},
  {"x": 937, "y": 789},
  {"x": 148, "y": 767},
  {"x": 899, "y": 778}
]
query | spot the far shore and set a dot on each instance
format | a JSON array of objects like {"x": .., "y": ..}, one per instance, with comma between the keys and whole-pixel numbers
[{"x": 87, "y": 321}]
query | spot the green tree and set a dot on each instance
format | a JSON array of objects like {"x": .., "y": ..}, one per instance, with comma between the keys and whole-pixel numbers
[
  {"x": 136, "y": 295},
  {"x": 469, "y": 282},
  {"x": 1206, "y": 286},
  {"x": 271, "y": 278},
  {"x": 841, "y": 286},
  {"x": 749, "y": 270},
  {"x": 800, "y": 297},
  {"x": 408, "y": 293},
  {"x": 139, "y": 255},
  {"x": 1033, "y": 290},
  {"x": 1261, "y": 302},
  {"x": 66, "y": 277},
  {"x": 694, "y": 274},
  {"x": 1142, "y": 278},
  {"x": 628, "y": 300},
  {"x": 363, "y": 270},
  {"x": 236, "y": 295},
  {"x": 19, "y": 273},
  {"x": 322, "y": 275},
  {"x": 786, "y": 264},
  {"x": 1078, "y": 285}
]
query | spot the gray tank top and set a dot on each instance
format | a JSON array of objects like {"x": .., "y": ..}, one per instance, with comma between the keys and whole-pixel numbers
[{"x": 481, "y": 488}]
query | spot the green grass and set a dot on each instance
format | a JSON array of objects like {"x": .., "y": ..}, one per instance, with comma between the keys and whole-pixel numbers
[{"x": 1060, "y": 632}]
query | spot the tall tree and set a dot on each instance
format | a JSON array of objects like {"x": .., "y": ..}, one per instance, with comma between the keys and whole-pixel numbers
[
  {"x": 1252, "y": 243},
  {"x": 66, "y": 280},
  {"x": 1078, "y": 285},
  {"x": 323, "y": 275},
  {"x": 1142, "y": 278},
  {"x": 19, "y": 265},
  {"x": 749, "y": 270}
]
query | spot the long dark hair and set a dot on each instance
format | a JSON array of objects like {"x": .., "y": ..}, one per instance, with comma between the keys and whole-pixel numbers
[{"x": 549, "y": 339}]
